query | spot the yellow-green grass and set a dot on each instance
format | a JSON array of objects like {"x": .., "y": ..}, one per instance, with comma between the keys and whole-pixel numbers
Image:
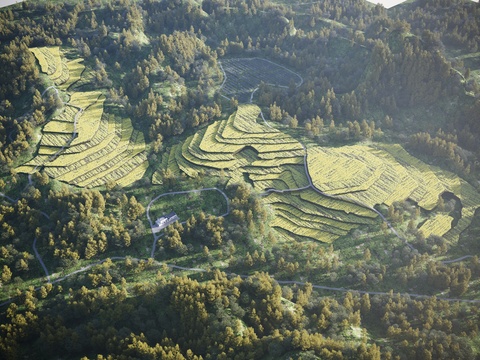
[
  {"x": 102, "y": 150},
  {"x": 336, "y": 204},
  {"x": 388, "y": 174},
  {"x": 55, "y": 126},
  {"x": 285, "y": 223},
  {"x": 242, "y": 128},
  {"x": 468, "y": 195},
  {"x": 438, "y": 225},
  {"x": 68, "y": 114},
  {"x": 307, "y": 219},
  {"x": 313, "y": 218},
  {"x": 75, "y": 70},
  {"x": 209, "y": 143},
  {"x": 195, "y": 159},
  {"x": 83, "y": 99},
  {"x": 77, "y": 167},
  {"x": 89, "y": 121},
  {"x": 106, "y": 128},
  {"x": 373, "y": 176},
  {"x": 282, "y": 154},
  {"x": 26, "y": 169},
  {"x": 290, "y": 175},
  {"x": 172, "y": 163},
  {"x": 301, "y": 221},
  {"x": 108, "y": 148},
  {"x": 45, "y": 150},
  {"x": 112, "y": 167},
  {"x": 55, "y": 139},
  {"x": 114, "y": 145},
  {"x": 275, "y": 162},
  {"x": 50, "y": 60},
  {"x": 317, "y": 209},
  {"x": 240, "y": 152},
  {"x": 61, "y": 71},
  {"x": 195, "y": 151},
  {"x": 243, "y": 123},
  {"x": 124, "y": 173},
  {"x": 134, "y": 175}
]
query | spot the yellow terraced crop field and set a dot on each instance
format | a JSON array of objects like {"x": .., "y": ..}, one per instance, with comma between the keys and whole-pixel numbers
[
  {"x": 75, "y": 70},
  {"x": 438, "y": 225},
  {"x": 83, "y": 146},
  {"x": 89, "y": 121},
  {"x": 243, "y": 148},
  {"x": 55, "y": 126},
  {"x": 374, "y": 176},
  {"x": 61, "y": 71},
  {"x": 50, "y": 60}
]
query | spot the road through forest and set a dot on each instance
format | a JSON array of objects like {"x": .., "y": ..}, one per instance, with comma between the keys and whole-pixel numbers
[{"x": 194, "y": 269}]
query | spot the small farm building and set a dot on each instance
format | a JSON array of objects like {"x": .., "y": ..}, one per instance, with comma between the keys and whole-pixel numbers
[{"x": 164, "y": 221}]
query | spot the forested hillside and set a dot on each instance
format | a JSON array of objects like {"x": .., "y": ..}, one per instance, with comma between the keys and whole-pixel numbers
[{"x": 323, "y": 158}]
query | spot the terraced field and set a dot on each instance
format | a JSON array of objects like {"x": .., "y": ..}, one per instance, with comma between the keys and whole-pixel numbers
[
  {"x": 83, "y": 146},
  {"x": 346, "y": 182},
  {"x": 241, "y": 149},
  {"x": 388, "y": 174},
  {"x": 244, "y": 75},
  {"x": 64, "y": 73}
]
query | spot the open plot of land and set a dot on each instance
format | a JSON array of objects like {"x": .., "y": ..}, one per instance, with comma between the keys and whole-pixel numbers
[
  {"x": 244, "y": 75},
  {"x": 353, "y": 178},
  {"x": 308, "y": 214},
  {"x": 83, "y": 146},
  {"x": 210, "y": 202},
  {"x": 374, "y": 176}
]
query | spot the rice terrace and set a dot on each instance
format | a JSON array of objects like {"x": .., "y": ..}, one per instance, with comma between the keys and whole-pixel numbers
[
  {"x": 82, "y": 146},
  {"x": 240, "y": 179},
  {"x": 316, "y": 193}
]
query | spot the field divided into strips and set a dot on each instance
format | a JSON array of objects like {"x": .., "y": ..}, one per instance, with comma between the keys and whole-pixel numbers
[
  {"x": 437, "y": 225},
  {"x": 307, "y": 214},
  {"x": 388, "y": 174},
  {"x": 83, "y": 146},
  {"x": 61, "y": 71},
  {"x": 243, "y": 149},
  {"x": 235, "y": 146},
  {"x": 244, "y": 75}
]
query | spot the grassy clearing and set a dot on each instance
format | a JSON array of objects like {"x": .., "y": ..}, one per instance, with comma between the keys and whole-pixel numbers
[
  {"x": 437, "y": 225},
  {"x": 210, "y": 202}
]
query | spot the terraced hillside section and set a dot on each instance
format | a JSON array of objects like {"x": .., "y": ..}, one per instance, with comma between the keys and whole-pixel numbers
[
  {"x": 244, "y": 75},
  {"x": 61, "y": 71},
  {"x": 242, "y": 149},
  {"x": 310, "y": 215},
  {"x": 388, "y": 174},
  {"x": 85, "y": 147},
  {"x": 239, "y": 147}
]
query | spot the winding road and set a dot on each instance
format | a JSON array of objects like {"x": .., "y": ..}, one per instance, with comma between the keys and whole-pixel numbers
[{"x": 157, "y": 236}]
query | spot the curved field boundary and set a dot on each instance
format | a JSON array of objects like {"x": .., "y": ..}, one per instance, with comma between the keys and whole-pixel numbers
[{"x": 246, "y": 66}]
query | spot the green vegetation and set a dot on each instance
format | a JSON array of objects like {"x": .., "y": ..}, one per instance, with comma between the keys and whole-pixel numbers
[
  {"x": 344, "y": 135},
  {"x": 208, "y": 202}
]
